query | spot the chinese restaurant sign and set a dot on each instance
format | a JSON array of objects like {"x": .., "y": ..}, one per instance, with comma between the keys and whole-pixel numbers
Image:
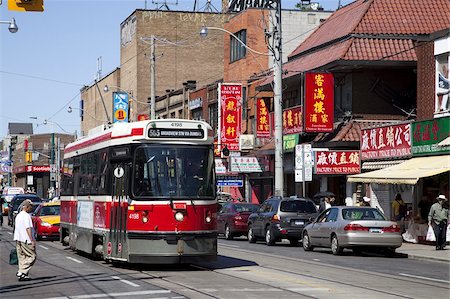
[
  {"x": 427, "y": 134},
  {"x": 292, "y": 120},
  {"x": 319, "y": 102},
  {"x": 262, "y": 120},
  {"x": 230, "y": 114},
  {"x": 386, "y": 142},
  {"x": 120, "y": 107},
  {"x": 337, "y": 162}
]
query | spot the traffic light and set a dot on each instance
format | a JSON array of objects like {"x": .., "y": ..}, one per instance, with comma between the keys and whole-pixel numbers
[
  {"x": 26, "y": 5},
  {"x": 29, "y": 157}
]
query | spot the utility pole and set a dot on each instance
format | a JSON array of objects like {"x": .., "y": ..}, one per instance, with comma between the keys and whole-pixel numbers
[
  {"x": 278, "y": 103},
  {"x": 152, "y": 77}
]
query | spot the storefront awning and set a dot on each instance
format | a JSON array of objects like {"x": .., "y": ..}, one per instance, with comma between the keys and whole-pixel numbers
[
  {"x": 408, "y": 172},
  {"x": 375, "y": 165}
]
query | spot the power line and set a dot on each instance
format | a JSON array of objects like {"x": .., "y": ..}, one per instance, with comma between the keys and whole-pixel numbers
[{"x": 40, "y": 78}]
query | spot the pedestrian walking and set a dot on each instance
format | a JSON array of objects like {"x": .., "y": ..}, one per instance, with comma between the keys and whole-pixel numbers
[
  {"x": 25, "y": 242},
  {"x": 399, "y": 208},
  {"x": 438, "y": 219}
]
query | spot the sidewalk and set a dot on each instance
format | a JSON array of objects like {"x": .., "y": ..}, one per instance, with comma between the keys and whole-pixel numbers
[{"x": 425, "y": 252}]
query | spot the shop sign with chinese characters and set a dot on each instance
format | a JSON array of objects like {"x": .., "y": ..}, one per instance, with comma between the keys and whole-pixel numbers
[
  {"x": 319, "y": 102},
  {"x": 292, "y": 120},
  {"x": 262, "y": 119},
  {"x": 245, "y": 164},
  {"x": 337, "y": 162},
  {"x": 427, "y": 134},
  {"x": 230, "y": 115},
  {"x": 386, "y": 142}
]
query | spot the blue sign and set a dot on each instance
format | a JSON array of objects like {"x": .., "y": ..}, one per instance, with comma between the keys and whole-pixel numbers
[
  {"x": 230, "y": 183},
  {"x": 120, "y": 107}
]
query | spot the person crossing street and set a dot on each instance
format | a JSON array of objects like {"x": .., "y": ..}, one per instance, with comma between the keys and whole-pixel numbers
[{"x": 25, "y": 242}]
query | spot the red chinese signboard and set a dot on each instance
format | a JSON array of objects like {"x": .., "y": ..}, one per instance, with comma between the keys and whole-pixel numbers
[
  {"x": 386, "y": 142},
  {"x": 292, "y": 120},
  {"x": 262, "y": 119},
  {"x": 230, "y": 109},
  {"x": 319, "y": 102},
  {"x": 337, "y": 162}
]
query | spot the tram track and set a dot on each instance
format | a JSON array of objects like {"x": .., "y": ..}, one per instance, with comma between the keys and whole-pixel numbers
[{"x": 169, "y": 278}]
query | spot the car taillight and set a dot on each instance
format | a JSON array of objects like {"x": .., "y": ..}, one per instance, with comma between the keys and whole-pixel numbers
[
  {"x": 275, "y": 218},
  {"x": 237, "y": 217},
  {"x": 355, "y": 227},
  {"x": 392, "y": 229}
]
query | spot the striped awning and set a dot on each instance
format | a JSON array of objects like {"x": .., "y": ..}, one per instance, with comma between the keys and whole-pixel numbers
[
  {"x": 408, "y": 172},
  {"x": 375, "y": 165}
]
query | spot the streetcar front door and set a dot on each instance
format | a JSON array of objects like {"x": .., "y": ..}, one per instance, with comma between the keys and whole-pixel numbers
[{"x": 119, "y": 207}]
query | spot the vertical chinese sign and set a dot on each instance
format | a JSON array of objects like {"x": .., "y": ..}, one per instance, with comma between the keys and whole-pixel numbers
[
  {"x": 319, "y": 102},
  {"x": 230, "y": 115},
  {"x": 120, "y": 107},
  {"x": 386, "y": 142},
  {"x": 262, "y": 119}
]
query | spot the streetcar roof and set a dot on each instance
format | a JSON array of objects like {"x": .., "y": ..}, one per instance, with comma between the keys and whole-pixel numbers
[{"x": 136, "y": 132}]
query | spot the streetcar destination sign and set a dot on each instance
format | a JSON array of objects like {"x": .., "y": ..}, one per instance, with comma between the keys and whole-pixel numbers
[{"x": 175, "y": 133}]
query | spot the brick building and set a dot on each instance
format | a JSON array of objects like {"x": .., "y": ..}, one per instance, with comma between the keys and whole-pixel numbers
[{"x": 181, "y": 55}]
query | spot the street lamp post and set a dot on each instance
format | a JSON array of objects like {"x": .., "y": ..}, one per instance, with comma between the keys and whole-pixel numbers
[
  {"x": 277, "y": 91},
  {"x": 13, "y": 28}
]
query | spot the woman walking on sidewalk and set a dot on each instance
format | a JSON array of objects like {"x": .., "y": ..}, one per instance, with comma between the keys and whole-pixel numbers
[
  {"x": 438, "y": 218},
  {"x": 25, "y": 243}
]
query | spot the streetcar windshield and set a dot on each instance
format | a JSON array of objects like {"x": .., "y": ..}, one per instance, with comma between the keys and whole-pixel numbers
[{"x": 173, "y": 172}]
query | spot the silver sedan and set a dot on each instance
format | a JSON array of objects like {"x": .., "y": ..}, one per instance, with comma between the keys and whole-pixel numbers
[{"x": 352, "y": 227}]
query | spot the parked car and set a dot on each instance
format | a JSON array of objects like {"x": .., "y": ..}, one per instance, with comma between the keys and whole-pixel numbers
[
  {"x": 232, "y": 218},
  {"x": 46, "y": 220},
  {"x": 17, "y": 201},
  {"x": 281, "y": 218},
  {"x": 352, "y": 227}
]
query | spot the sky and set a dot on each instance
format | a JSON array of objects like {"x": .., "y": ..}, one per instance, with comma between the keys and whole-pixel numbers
[{"x": 54, "y": 54}]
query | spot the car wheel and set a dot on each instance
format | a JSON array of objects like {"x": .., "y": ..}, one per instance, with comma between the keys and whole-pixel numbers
[
  {"x": 336, "y": 249},
  {"x": 293, "y": 241},
  {"x": 228, "y": 234},
  {"x": 269, "y": 237},
  {"x": 307, "y": 243},
  {"x": 251, "y": 235}
]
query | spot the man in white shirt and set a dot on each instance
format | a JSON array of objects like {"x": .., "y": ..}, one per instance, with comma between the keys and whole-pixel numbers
[{"x": 25, "y": 243}]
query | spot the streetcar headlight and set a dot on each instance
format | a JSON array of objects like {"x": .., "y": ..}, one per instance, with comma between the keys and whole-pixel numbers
[
  {"x": 179, "y": 216},
  {"x": 144, "y": 216},
  {"x": 208, "y": 217}
]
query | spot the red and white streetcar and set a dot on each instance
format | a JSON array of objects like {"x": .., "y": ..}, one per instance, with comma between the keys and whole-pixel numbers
[{"x": 142, "y": 192}]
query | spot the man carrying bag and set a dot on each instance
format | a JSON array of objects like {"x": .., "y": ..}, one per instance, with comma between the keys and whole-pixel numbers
[
  {"x": 25, "y": 243},
  {"x": 438, "y": 218}
]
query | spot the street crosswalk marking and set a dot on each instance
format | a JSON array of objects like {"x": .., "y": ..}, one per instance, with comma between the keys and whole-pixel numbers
[
  {"x": 423, "y": 277},
  {"x": 46, "y": 248},
  {"x": 125, "y": 281}
]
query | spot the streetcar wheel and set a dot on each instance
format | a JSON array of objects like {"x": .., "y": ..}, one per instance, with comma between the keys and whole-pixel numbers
[
  {"x": 251, "y": 235},
  {"x": 307, "y": 243},
  {"x": 228, "y": 234},
  {"x": 269, "y": 237},
  {"x": 336, "y": 249}
]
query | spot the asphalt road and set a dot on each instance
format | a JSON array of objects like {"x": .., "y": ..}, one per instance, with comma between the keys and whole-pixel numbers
[{"x": 243, "y": 270}]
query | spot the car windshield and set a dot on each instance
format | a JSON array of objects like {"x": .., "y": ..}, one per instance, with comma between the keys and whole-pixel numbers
[
  {"x": 298, "y": 206},
  {"x": 49, "y": 211},
  {"x": 19, "y": 201},
  {"x": 175, "y": 172},
  {"x": 362, "y": 214},
  {"x": 241, "y": 208}
]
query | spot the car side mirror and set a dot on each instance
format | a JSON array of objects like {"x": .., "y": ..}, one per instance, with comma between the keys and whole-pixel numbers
[{"x": 312, "y": 219}]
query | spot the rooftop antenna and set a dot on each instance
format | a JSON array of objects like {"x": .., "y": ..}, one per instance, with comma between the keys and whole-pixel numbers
[
  {"x": 163, "y": 4},
  {"x": 209, "y": 7}
]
